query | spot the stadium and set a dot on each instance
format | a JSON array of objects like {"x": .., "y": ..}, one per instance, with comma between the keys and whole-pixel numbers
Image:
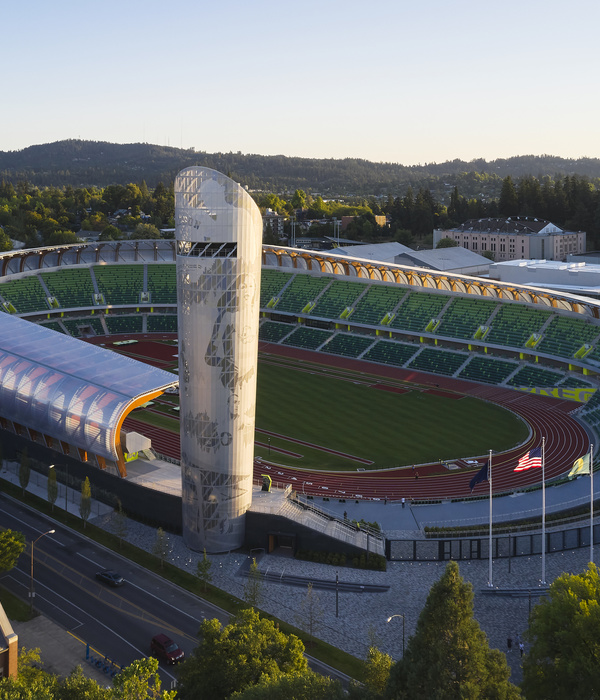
[{"x": 376, "y": 381}]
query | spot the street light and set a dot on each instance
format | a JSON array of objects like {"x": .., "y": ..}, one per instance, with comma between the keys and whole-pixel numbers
[
  {"x": 31, "y": 591},
  {"x": 402, "y": 616}
]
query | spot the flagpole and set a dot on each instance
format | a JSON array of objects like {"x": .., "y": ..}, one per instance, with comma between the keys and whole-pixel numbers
[
  {"x": 543, "y": 511},
  {"x": 592, "y": 502},
  {"x": 490, "y": 580}
]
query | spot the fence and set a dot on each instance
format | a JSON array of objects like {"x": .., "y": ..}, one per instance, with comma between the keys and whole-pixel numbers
[{"x": 503, "y": 546}]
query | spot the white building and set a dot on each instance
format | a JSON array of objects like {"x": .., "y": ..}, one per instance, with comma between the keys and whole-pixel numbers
[
  {"x": 573, "y": 277},
  {"x": 515, "y": 238}
]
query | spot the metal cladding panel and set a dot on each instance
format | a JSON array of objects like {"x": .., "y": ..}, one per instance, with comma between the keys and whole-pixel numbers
[
  {"x": 219, "y": 239},
  {"x": 68, "y": 389}
]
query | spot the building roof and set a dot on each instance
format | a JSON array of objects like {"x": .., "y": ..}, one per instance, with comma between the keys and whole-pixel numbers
[
  {"x": 510, "y": 224},
  {"x": 382, "y": 252},
  {"x": 444, "y": 259},
  {"x": 68, "y": 389}
]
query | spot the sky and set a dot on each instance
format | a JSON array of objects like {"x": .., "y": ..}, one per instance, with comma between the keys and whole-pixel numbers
[{"x": 399, "y": 81}]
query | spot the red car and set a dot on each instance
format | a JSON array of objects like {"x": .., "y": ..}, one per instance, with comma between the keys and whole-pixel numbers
[{"x": 166, "y": 649}]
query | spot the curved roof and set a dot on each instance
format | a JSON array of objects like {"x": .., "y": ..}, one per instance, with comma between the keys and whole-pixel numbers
[{"x": 70, "y": 390}]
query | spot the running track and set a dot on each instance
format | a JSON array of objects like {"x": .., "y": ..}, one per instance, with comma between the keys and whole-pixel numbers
[{"x": 566, "y": 440}]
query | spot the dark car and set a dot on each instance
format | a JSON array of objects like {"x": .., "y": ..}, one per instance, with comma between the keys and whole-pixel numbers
[
  {"x": 111, "y": 578},
  {"x": 166, "y": 649}
]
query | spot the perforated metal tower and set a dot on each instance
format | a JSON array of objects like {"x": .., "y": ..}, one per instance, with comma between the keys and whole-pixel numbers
[{"x": 219, "y": 240}]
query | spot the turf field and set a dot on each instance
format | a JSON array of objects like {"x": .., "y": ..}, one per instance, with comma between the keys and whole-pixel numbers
[{"x": 388, "y": 428}]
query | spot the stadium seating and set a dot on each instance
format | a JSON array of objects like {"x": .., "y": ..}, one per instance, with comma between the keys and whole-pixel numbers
[
  {"x": 120, "y": 284},
  {"x": 271, "y": 284},
  {"x": 300, "y": 292},
  {"x": 124, "y": 324},
  {"x": 488, "y": 370},
  {"x": 273, "y": 332},
  {"x": 417, "y": 310},
  {"x": 74, "y": 325},
  {"x": 162, "y": 283},
  {"x": 53, "y": 325},
  {"x": 336, "y": 298},
  {"x": 25, "y": 294},
  {"x": 387, "y": 352},
  {"x": 464, "y": 316},
  {"x": 535, "y": 376},
  {"x": 565, "y": 336},
  {"x": 376, "y": 303},
  {"x": 71, "y": 287},
  {"x": 162, "y": 323},
  {"x": 438, "y": 361},
  {"x": 514, "y": 324},
  {"x": 307, "y": 338},
  {"x": 348, "y": 345},
  {"x": 574, "y": 383}
]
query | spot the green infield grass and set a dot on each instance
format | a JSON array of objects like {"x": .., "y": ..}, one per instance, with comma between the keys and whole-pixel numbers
[{"x": 347, "y": 414}]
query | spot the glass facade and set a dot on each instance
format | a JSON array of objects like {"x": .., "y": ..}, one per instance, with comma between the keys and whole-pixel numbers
[{"x": 68, "y": 389}]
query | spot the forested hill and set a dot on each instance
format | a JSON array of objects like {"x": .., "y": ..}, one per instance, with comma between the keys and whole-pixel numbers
[{"x": 86, "y": 163}]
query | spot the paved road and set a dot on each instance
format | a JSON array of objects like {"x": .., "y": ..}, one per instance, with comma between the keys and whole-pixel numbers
[{"x": 117, "y": 623}]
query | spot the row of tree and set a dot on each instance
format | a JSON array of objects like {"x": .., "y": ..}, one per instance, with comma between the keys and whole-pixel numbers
[{"x": 52, "y": 216}]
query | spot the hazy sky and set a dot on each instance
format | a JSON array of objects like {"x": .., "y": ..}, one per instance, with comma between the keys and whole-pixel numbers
[{"x": 386, "y": 80}]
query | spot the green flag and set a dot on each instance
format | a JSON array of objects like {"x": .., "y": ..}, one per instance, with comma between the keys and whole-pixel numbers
[{"x": 581, "y": 466}]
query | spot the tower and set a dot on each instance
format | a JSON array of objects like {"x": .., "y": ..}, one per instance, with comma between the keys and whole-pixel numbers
[{"x": 219, "y": 245}]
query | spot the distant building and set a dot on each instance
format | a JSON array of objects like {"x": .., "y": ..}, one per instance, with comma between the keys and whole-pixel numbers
[
  {"x": 515, "y": 238},
  {"x": 581, "y": 278},
  {"x": 276, "y": 220},
  {"x": 380, "y": 252},
  {"x": 457, "y": 260}
]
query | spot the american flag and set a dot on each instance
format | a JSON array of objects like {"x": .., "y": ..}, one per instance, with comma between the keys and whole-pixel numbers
[{"x": 532, "y": 459}]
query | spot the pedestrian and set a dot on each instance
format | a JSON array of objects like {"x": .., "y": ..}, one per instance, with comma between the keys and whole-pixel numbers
[
  {"x": 517, "y": 639},
  {"x": 345, "y": 515},
  {"x": 508, "y": 645},
  {"x": 403, "y": 501},
  {"x": 522, "y": 648},
  {"x": 416, "y": 475}
]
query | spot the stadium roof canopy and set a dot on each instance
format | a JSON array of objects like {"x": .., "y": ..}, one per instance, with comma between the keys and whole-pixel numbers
[{"x": 69, "y": 390}]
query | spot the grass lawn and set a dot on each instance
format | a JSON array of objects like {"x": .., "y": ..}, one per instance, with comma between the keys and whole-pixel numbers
[{"x": 14, "y": 607}]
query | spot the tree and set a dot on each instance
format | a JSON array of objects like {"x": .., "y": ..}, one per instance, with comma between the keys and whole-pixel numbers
[
  {"x": 52, "y": 487},
  {"x": 119, "y": 523},
  {"x": 310, "y": 612},
  {"x": 253, "y": 587},
  {"x": 31, "y": 682},
  {"x": 140, "y": 681},
  {"x": 508, "y": 204},
  {"x": 12, "y": 543},
  {"x": 447, "y": 243},
  {"x": 24, "y": 470},
  {"x": 203, "y": 571},
  {"x": 565, "y": 634},
  {"x": 449, "y": 656},
  {"x": 299, "y": 199},
  {"x": 293, "y": 686},
  {"x": 110, "y": 233},
  {"x": 145, "y": 231},
  {"x": 377, "y": 671},
  {"x": 232, "y": 658},
  {"x": 85, "y": 503},
  {"x": 161, "y": 546}
]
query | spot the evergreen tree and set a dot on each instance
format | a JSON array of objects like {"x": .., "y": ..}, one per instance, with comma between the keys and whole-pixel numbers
[
  {"x": 85, "y": 503},
  {"x": 449, "y": 657},
  {"x": 509, "y": 201},
  {"x": 203, "y": 571},
  {"x": 52, "y": 487}
]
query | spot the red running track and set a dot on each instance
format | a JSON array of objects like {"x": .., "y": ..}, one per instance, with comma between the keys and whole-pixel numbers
[{"x": 565, "y": 441}]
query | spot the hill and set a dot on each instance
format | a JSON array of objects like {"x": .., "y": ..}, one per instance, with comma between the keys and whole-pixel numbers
[{"x": 89, "y": 163}]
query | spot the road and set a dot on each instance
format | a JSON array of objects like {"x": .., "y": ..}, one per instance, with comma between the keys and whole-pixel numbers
[{"x": 116, "y": 622}]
